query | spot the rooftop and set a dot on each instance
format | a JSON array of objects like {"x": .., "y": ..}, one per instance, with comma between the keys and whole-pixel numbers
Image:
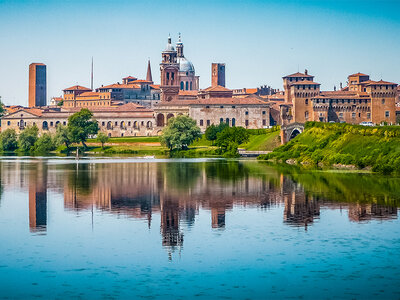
[
  {"x": 77, "y": 87},
  {"x": 298, "y": 74}
]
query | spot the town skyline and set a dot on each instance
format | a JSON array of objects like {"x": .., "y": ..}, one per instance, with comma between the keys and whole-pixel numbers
[{"x": 328, "y": 51}]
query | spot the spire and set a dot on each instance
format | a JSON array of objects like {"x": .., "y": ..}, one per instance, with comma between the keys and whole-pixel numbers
[
  {"x": 169, "y": 38},
  {"x": 148, "y": 76},
  {"x": 179, "y": 46}
]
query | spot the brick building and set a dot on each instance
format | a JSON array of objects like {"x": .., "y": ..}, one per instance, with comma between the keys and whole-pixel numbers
[
  {"x": 37, "y": 85},
  {"x": 363, "y": 100}
]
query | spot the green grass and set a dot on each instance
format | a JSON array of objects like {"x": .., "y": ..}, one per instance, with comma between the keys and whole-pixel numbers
[
  {"x": 262, "y": 142},
  {"x": 326, "y": 145}
]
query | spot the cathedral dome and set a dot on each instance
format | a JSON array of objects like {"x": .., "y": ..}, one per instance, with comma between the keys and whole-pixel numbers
[
  {"x": 169, "y": 47},
  {"x": 185, "y": 65}
]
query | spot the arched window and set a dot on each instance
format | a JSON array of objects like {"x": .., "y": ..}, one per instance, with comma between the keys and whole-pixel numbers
[
  {"x": 221, "y": 120},
  {"x": 191, "y": 86},
  {"x": 160, "y": 120},
  {"x": 149, "y": 124},
  {"x": 45, "y": 125},
  {"x": 109, "y": 125},
  {"x": 227, "y": 121},
  {"x": 187, "y": 85},
  {"x": 182, "y": 85},
  {"x": 306, "y": 115},
  {"x": 233, "y": 122}
]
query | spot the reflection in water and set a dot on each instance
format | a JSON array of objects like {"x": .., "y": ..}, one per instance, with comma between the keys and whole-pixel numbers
[
  {"x": 177, "y": 190},
  {"x": 38, "y": 198}
]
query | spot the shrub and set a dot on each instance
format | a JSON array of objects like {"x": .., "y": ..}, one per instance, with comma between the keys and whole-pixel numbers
[
  {"x": 44, "y": 144},
  {"x": 27, "y": 138},
  {"x": 8, "y": 140}
]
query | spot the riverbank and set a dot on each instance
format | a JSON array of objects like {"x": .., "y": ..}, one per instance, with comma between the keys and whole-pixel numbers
[{"x": 343, "y": 146}]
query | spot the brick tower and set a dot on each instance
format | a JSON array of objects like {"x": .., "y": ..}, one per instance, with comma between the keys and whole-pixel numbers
[
  {"x": 37, "y": 85},
  {"x": 217, "y": 74},
  {"x": 169, "y": 68}
]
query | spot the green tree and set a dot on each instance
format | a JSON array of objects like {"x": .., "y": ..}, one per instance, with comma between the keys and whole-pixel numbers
[
  {"x": 232, "y": 135},
  {"x": 27, "y": 138},
  {"x": 8, "y": 140},
  {"x": 212, "y": 131},
  {"x": 81, "y": 125},
  {"x": 102, "y": 138},
  {"x": 63, "y": 136},
  {"x": 2, "y": 109},
  {"x": 61, "y": 103},
  {"x": 44, "y": 144},
  {"x": 180, "y": 133}
]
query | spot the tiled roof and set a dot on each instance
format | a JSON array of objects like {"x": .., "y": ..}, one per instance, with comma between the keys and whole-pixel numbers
[
  {"x": 89, "y": 94},
  {"x": 217, "y": 88},
  {"x": 130, "y": 77},
  {"x": 381, "y": 82},
  {"x": 358, "y": 74},
  {"x": 77, "y": 87},
  {"x": 305, "y": 82},
  {"x": 142, "y": 81},
  {"x": 251, "y": 91},
  {"x": 122, "y": 108},
  {"x": 188, "y": 93},
  {"x": 299, "y": 75},
  {"x": 120, "y": 86},
  {"x": 155, "y": 86},
  {"x": 216, "y": 101}
]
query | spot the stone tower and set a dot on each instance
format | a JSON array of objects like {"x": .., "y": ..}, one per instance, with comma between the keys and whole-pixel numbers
[
  {"x": 217, "y": 74},
  {"x": 149, "y": 77},
  {"x": 169, "y": 68}
]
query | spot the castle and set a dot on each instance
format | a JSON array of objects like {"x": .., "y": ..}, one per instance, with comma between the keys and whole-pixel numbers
[{"x": 138, "y": 107}]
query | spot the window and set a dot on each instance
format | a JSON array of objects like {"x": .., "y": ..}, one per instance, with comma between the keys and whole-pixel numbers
[
  {"x": 187, "y": 85},
  {"x": 369, "y": 115},
  {"x": 207, "y": 106},
  {"x": 387, "y": 114},
  {"x": 102, "y": 123},
  {"x": 116, "y": 123},
  {"x": 306, "y": 101},
  {"x": 233, "y": 122},
  {"x": 208, "y": 122},
  {"x": 306, "y": 115},
  {"x": 264, "y": 122},
  {"x": 181, "y": 85},
  {"x": 129, "y": 123},
  {"x": 233, "y": 106},
  {"x": 51, "y": 124},
  {"x": 227, "y": 121},
  {"x": 221, "y": 121},
  {"x": 383, "y": 101},
  {"x": 201, "y": 122},
  {"x": 246, "y": 113},
  {"x": 341, "y": 115},
  {"x": 264, "y": 112},
  {"x": 353, "y": 115},
  {"x": 246, "y": 122},
  {"x": 8, "y": 123},
  {"x": 64, "y": 123},
  {"x": 221, "y": 106}
]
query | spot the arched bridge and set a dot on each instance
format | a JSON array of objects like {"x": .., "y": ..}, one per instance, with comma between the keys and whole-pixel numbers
[{"x": 290, "y": 131}]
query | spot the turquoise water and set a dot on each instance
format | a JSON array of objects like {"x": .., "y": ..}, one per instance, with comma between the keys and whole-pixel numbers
[{"x": 205, "y": 229}]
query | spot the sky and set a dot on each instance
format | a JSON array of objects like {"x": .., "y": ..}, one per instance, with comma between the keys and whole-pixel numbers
[{"x": 259, "y": 41}]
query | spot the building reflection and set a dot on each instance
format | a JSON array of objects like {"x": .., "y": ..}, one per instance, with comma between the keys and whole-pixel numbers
[
  {"x": 38, "y": 198},
  {"x": 174, "y": 194}
]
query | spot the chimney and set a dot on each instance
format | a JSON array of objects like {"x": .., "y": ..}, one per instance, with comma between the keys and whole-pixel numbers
[{"x": 306, "y": 71}]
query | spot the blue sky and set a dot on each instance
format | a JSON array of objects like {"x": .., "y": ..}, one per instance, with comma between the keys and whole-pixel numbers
[{"x": 260, "y": 41}]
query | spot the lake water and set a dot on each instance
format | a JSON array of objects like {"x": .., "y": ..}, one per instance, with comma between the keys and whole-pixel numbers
[{"x": 203, "y": 229}]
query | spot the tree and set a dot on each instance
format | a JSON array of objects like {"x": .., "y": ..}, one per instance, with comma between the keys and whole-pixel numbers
[
  {"x": 61, "y": 103},
  {"x": 44, "y": 144},
  {"x": 180, "y": 133},
  {"x": 231, "y": 137},
  {"x": 212, "y": 131},
  {"x": 2, "y": 109},
  {"x": 63, "y": 136},
  {"x": 27, "y": 138},
  {"x": 102, "y": 138},
  {"x": 8, "y": 140},
  {"x": 81, "y": 125}
]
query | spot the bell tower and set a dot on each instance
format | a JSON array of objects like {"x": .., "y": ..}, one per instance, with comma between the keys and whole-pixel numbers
[{"x": 169, "y": 68}]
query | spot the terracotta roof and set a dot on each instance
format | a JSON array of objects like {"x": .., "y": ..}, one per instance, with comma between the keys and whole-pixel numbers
[
  {"x": 381, "y": 82},
  {"x": 120, "y": 86},
  {"x": 216, "y": 101},
  {"x": 155, "y": 86},
  {"x": 89, "y": 94},
  {"x": 77, "y": 87},
  {"x": 142, "y": 81},
  {"x": 33, "y": 111},
  {"x": 251, "y": 91},
  {"x": 130, "y": 77},
  {"x": 217, "y": 88},
  {"x": 305, "y": 82},
  {"x": 358, "y": 74},
  {"x": 298, "y": 75}
]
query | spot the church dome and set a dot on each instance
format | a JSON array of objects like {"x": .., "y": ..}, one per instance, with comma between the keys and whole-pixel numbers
[
  {"x": 185, "y": 65},
  {"x": 169, "y": 47}
]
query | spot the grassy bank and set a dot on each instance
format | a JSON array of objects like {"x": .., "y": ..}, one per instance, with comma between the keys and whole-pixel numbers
[{"x": 324, "y": 144}]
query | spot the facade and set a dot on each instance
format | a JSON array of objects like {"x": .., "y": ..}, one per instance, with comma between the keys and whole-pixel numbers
[
  {"x": 124, "y": 120},
  {"x": 363, "y": 100},
  {"x": 37, "y": 85}
]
